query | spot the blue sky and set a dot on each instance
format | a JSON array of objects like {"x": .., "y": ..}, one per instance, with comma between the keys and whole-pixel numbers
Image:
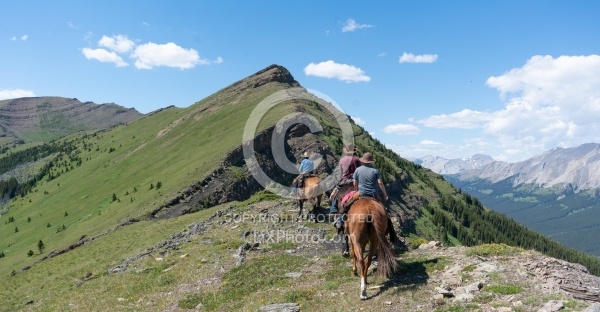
[{"x": 510, "y": 79}]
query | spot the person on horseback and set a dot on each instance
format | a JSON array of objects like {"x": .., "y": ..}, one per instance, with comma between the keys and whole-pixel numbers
[
  {"x": 367, "y": 181},
  {"x": 348, "y": 165},
  {"x": 306, "y": 168}
]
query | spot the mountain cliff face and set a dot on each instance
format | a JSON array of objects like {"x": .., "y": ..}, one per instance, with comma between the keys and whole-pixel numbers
[
  {"x": 41, "y": 119},
  {"x": 442, "y": 165}
]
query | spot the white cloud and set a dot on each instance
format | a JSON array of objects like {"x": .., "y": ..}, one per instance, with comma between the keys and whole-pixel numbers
[
  {"x": 15, "y": 93},
  {"x": 22, "y": 38},
  {"x": 549, "y": 102},
  {"x": 343, "y": 72},
  {"x": 150, "y": 55},
  {"x": 465, "y": 119},
  {"x": 104, "y": 56},
  {"x": 402, "y": 129},
  {"x": 352, "y": 25},
  {"x": 429, "y": 142},
  {"x": 219, "y": 60},
  {"x": 381, "y": 54},
  {"x": 146, "y": 56},
  {"x": 358, "y": 121},
  {"x": 424, "y": 58},
  {"x": 118, "y": 43}
]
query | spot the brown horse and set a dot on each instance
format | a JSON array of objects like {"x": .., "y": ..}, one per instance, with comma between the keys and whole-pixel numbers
[
  {"x": 367, "y": 223},
  {"x": 342, "y": 191},
  {"x": 311, "y": 192}
]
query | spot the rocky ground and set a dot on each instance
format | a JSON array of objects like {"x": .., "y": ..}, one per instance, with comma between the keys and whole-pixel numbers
[{"x": 430, "y": 277}]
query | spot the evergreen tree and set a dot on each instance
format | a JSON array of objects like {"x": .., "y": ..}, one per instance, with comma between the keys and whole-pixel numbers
[
  {"x": 41, "y": 246},
  {"x": 30, "y": 253}
]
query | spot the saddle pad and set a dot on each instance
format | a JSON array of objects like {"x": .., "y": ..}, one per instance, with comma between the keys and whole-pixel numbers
[{"x": 347, "y": 196}]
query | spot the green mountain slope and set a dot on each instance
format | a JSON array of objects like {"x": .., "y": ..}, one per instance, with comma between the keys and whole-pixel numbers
[
  {"x": 109, "y": 196},
  {"x": 42, "y": 119},
  {"x": 562, "y": 214}
]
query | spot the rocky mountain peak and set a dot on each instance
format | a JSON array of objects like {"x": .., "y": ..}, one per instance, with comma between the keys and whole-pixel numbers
[{"x": 271, "y": 74}]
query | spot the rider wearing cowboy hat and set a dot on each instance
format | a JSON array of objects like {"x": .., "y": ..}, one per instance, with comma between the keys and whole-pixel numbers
[
  {"x": 367, "y": 180},
  {"x": 306, "y": 167}
]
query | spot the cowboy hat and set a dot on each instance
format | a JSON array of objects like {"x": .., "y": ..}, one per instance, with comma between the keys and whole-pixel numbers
[
  {"x": 349, "y": 149},
  {"x": 306, "y": 155},
  {"x": 367, "y": 158}
]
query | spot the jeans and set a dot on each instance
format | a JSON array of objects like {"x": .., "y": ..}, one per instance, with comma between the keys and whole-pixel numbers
[{"x": 333, "y": 208}]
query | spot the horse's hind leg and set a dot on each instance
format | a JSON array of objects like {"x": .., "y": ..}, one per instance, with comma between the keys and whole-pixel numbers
[
  {"x": 373, "y": 245},
  {"x": 352, "y": 254},
  {"x": 358, "y": 257},
  {"x": 300, "y": 204}
]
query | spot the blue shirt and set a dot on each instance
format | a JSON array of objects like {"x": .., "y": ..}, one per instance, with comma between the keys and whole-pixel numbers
[
  {"x": 307, "y": 165},
  {"x": 367, "y": 177}
]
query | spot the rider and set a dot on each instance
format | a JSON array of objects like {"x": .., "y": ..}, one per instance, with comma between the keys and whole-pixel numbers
[
  {"x": 348, "y": 165},
  {"x": 306, "y": 167},
  {"x": 367, "y": 180}
]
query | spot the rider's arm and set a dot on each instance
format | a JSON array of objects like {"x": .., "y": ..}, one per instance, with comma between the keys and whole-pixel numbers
[
  {"x": 382, "y": 187},
  {"x": 356, "y": 185}
]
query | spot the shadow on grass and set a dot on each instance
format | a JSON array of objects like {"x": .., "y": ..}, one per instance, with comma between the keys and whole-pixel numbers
[{"x": 409, "y": 275}]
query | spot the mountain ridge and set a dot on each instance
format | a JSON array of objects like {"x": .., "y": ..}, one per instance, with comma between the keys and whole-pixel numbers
[
  {"x": 567, "y": 167},
  {"x": 41, "y": 119},
  {"x": 140, "y": 189},
  {"x": 451, "y": 166}
]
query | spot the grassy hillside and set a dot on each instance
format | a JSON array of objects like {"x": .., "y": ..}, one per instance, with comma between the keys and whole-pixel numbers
[
  {"x": 95, "y": 201},
  {"x": 43, "y": 119},
  {"x": 174, "y": 147}
]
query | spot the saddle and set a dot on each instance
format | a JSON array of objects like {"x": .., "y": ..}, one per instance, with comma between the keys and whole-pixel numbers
[
  {"x": 301, "y": 177},
  {"x": 353, "y": 196}
]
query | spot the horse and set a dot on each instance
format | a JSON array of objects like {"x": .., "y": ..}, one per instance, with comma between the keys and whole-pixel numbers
[
  {"x": 341, "y": 192},
  {"x": 311, "y": 192},
  {"x": 367, "y": 223}
]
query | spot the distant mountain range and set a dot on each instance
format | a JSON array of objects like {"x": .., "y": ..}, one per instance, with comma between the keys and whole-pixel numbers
[
  {"x": 42, "y": 119},
  {"x": 556, "y": 193},
  {"x": 451, "y": 166}
]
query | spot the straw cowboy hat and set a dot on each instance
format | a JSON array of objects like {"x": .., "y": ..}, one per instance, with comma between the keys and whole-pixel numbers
[
  {"x": 349, "y": 149},
  {"x": 306, "y": 155},
  {"x": 367, "y": 158}
]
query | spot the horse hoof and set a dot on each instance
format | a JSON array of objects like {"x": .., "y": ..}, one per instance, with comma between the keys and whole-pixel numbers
[{"x": 362, "y": 297}]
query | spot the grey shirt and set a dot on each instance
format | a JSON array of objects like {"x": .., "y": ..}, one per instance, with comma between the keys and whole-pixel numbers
[{"x": 367, "y": 177}]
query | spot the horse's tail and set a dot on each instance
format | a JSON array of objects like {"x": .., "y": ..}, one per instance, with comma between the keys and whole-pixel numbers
[{"x": 386, "y": 258}]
